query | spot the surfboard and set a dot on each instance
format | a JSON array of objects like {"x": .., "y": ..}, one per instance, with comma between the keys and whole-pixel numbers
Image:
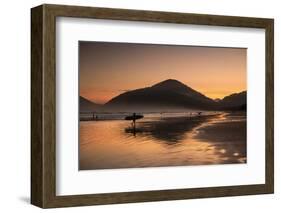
[{"x": 133, "y": 117}]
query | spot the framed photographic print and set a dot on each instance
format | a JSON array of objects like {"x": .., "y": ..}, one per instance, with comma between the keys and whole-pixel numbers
[{"x": 137, "y": 106}]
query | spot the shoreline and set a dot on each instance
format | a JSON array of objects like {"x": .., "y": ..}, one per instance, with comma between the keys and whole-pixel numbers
[{"x": 121, "y": 116}]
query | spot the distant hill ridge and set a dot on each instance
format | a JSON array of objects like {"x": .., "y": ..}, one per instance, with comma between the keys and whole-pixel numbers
[
  {"x": 169, "y": 95},
  {"x": 86, "y": 105},
  {"x": 235, "y": 101}
]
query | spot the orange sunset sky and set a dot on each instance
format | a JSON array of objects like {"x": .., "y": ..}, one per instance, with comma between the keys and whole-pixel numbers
[{"x": 108, "y": 69}]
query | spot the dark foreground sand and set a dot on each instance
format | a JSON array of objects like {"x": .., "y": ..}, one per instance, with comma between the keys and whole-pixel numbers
[{"x": 228, "y": 135}]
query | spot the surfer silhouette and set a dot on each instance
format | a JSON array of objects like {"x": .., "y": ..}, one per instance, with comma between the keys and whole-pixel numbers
[{"x": 133, "y": 118}]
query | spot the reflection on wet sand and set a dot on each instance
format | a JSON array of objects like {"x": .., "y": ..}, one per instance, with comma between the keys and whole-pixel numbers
[
  {"x": 163, "y": 141},
  {"x": 167, "y": 130}
]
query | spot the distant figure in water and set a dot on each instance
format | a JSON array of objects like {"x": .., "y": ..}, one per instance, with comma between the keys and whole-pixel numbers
[
  {"x": 95, "y": 117},
  {"x": 199, "y": 113}
]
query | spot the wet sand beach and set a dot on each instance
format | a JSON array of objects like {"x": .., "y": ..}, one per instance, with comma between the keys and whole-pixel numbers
[{"x": 218, "y": 138}]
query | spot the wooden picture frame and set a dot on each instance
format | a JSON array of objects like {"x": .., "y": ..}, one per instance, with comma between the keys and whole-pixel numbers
[{"x": 43, "y": 105}]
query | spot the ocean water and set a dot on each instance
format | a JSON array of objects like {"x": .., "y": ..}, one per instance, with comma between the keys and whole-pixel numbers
[{"x": 162, "y": 139}]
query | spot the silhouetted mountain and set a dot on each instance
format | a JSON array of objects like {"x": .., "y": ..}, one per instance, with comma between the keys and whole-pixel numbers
[
  {"x": 236, "y": 101},
  {"x": 167, "y": 95},
  {"x": 87, "y": 106}
]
